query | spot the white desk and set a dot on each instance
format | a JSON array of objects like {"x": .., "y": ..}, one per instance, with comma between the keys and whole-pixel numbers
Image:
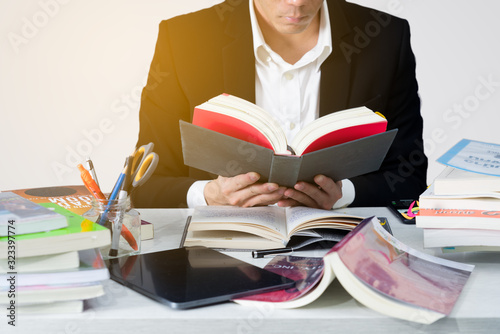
[{"x": 122, "y": 310}]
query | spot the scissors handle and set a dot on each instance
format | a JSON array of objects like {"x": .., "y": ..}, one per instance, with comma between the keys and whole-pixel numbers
[
  {"x": 145, "y": 169},
  {"x": 140, "y": 154}
]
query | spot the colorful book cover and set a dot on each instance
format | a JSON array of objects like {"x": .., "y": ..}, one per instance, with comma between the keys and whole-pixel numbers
[
  {"x": 80, "y": 234},
  {"x": 75, "y": 198},
  {"x": 399, "y": 272},
  {"x": 28, "y": 217},
  {"x": 473, "y": 156},
  {"x": 459, "y": 213},
  {"x": 305, "y": 271}
]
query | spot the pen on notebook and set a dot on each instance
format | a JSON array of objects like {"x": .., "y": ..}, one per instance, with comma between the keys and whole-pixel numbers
[
  {"x": 90, "y": 184},
  {"x": 256, "y": 254},
  {"x": 92, "y": 170}
]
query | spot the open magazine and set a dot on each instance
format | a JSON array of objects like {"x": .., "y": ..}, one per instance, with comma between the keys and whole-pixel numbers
[{"x": 378, "y": 271}]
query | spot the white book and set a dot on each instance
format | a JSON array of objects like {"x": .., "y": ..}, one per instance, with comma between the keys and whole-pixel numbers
[
  {"x": 92, "y": 268},
  {"x": 453, "y": 181},
  {"x": 458, "y": 218},
  {"x": 462, "y": 249},
  {"x": 50, "y": 293},
  {"x": 438, "y": 237},
  {"x": 69, "y": 306},
  {"x": 430, "y": 200},
  {"x": 61, "y": 261}
]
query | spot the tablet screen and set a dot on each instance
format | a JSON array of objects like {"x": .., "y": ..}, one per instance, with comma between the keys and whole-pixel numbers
[{"x": 193, "y": 276}]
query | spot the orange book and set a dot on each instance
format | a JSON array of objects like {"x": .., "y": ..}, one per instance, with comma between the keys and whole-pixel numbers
[
  {"x": 75, "y": 198},
  {"x": 458, "y": 218}
]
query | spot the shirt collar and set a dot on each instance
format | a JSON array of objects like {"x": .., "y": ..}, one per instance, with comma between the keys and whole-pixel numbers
[{"x": 320, "y": 52}]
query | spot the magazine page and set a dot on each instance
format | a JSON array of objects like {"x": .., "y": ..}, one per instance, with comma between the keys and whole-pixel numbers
[
  {"x": 305, "y": 271},
  {"x": 395, "y": 270}
]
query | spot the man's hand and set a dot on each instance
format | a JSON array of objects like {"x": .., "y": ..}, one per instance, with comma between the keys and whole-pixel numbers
[
  {"x": 242, "y": 190},
  {"x": 323, "y": 195}
]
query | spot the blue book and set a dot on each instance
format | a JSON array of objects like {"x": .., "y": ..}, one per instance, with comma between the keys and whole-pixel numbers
[{"x": 19, "y": 215}]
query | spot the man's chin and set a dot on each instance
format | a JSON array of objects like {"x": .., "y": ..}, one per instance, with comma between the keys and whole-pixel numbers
[{"x": 291, "y": 28}]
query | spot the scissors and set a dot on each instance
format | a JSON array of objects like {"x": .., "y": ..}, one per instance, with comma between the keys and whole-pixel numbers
[{"x": 144, "y": 162}]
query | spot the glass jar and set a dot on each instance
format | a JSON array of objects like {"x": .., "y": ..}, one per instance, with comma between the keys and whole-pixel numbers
[{"x": 110, "y": 213}]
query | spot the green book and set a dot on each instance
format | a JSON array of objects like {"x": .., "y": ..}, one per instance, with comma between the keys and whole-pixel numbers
[{"x": 80, "y": 234}]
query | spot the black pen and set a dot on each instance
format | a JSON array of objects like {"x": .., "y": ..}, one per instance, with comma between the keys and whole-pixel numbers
[{"x": 257, "y": 254}]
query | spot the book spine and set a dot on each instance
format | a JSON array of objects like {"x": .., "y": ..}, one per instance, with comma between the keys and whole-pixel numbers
[
  {"x": 285, "y": 170},
  {"x": 459, "y": 213}
]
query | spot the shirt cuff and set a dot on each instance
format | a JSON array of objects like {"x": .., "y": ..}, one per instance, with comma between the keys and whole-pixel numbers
[
  {"x": 348, "y": 193},
  {"x": 195, "y": 196}
]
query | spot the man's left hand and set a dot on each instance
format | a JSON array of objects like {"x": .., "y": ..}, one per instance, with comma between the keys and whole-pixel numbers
[{"x": 323, "y": 194}]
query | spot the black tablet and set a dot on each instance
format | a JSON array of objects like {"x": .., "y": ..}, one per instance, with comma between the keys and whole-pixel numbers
[{"x": 193, "y": 276}]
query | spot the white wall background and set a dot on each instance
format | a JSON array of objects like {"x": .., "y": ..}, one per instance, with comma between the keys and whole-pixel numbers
[{"x": 71, "y": 73}]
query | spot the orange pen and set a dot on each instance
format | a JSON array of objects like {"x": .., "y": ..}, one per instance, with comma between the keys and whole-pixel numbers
[
  {"x": 90, "y": 184},
  {"x": 129, "y": 237}
]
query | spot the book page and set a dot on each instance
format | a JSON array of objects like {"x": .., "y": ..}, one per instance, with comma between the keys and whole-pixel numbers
[
  {"x": 399, "y": 272},
  {"x": 270, "y": 219},
  {"x": 300, "y": 217}
]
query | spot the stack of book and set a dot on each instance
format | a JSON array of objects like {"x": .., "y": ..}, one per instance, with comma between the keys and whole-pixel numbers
[
  {"x": 49, "y": 257},
  {"x": 460, "y": 211},
  {"x": 75, "y": 198}
]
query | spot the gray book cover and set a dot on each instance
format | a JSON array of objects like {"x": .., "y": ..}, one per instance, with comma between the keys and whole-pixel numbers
[{"x": 227, "y": 156}]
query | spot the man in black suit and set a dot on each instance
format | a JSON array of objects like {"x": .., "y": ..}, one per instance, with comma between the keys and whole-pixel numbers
[{"x": 358, "y": 57}]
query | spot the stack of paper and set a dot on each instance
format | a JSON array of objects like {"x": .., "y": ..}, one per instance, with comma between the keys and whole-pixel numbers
[
  {"x": 460, "y": 211},
  {"x": 52, "y": 269}
]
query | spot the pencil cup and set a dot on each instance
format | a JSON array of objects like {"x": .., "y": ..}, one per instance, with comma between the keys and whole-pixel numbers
[{"x": 110, "y": 213}]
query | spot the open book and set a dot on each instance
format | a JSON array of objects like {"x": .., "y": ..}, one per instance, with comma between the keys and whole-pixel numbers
[
  {"x": 378, "y": 271},
  {"x": 230, "y": 136},
  {"x": 264, "y": 227},
  {"x": 242, "y": 119}
]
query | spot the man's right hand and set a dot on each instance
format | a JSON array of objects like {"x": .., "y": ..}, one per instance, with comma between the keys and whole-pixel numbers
[{"x": 242, "y": 190}]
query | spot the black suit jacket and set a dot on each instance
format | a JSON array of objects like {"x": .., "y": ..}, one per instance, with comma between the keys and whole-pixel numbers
[{"x": 209, "y": 52}]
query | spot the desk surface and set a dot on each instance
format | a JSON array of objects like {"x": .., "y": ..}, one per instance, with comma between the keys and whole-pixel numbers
[{"x": 123, "y": 310}]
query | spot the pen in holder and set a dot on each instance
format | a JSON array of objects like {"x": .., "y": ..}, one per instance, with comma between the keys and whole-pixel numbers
[{"x": 118, "y": 211}]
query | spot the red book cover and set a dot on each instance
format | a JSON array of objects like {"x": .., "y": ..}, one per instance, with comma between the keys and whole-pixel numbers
[
  {"x": 346, "y": 135},
  {"x": 229, "y": 126}
]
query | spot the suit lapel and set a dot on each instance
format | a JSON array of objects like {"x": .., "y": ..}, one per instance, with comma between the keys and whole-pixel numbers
[
  {"x": 238, "y": 56},
  {"x": 336, "y": 69}
]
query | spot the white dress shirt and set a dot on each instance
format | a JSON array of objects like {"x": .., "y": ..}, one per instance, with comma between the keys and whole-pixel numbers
[{"x": 289, "y": 92}]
